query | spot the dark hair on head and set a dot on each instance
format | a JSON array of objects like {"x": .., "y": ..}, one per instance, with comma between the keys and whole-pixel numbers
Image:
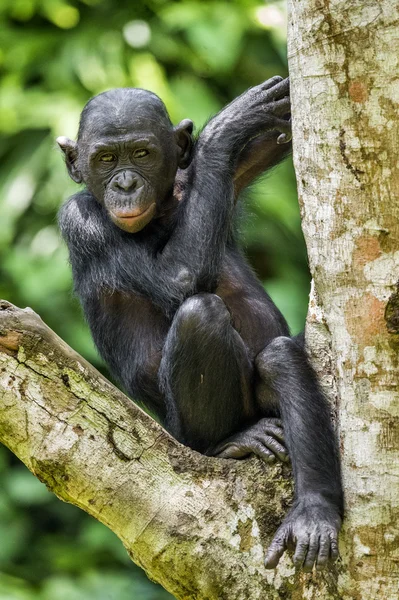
[{"x": 116, "y": 100}]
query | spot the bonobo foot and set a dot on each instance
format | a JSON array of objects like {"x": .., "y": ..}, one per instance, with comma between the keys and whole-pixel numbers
[
  {"x": 311, "y": 529},
  {"x": 265, "y": 439}
]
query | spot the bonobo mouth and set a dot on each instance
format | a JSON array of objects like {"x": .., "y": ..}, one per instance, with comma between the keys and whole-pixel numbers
[{"x": 133, "y": 220}]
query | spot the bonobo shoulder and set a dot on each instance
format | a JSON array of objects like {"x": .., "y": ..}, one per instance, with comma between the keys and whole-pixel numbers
[{"x": 83, "y": 224}]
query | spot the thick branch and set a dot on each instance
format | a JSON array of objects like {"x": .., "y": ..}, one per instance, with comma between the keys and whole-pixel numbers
[{"x": 197, "y": 525}]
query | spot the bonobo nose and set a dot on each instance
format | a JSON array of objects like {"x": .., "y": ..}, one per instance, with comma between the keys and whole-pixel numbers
[{"x": 125, "y": 181}]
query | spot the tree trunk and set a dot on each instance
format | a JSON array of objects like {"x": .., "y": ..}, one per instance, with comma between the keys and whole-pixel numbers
[{"x": 343, "y": 59}]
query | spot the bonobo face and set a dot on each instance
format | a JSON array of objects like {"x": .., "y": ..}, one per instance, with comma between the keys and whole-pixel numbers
[{"x": 127, "y": 154}]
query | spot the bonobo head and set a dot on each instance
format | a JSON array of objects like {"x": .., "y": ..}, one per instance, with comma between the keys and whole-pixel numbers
[{"x": 127, "y": 154}]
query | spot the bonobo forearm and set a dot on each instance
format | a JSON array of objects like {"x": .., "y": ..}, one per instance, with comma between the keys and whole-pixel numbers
[{"x": 203, "y": 227}]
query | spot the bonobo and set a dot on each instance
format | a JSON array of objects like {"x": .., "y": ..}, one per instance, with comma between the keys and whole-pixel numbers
[{"x": 172, "y": 304}]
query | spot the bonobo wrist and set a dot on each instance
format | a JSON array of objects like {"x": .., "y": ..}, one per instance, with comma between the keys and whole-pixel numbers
[{"x": 322, "y": 498}]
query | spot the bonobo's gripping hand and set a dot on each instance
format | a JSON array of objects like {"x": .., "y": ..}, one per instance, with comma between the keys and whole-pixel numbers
[
  {"x": 311, "y": 529},
  {"x": 264, "y": 107}
]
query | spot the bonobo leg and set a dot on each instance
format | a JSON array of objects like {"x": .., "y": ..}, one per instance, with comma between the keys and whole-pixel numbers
[
  {"x": 207, "y": 379},
  {"x": 313, "y": 523},
  {"x": 205, "y": 374}
]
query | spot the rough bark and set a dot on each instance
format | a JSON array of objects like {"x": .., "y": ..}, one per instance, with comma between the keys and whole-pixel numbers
[{"x": 343, "y": 59}]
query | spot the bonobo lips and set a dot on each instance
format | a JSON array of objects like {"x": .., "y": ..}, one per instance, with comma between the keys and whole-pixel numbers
[{"x": 133, "y": 220}]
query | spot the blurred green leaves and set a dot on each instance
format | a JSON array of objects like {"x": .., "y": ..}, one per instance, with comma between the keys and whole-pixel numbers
[
  {"x": 55, "y": 55},
  {"x": 53, "y": 551}
]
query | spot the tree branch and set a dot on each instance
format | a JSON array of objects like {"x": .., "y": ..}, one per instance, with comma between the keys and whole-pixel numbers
[{"x": 197, "y": 525}]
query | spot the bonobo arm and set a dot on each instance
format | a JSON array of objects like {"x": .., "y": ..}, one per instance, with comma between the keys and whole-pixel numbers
[{"x": 194, "y": 252}]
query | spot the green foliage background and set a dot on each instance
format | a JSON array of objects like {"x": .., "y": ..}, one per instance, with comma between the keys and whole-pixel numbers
[{"x": 55, "y": 55}]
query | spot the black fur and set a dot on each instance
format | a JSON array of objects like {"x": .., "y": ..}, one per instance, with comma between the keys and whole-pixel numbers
[{"x": 174, "y": 308}]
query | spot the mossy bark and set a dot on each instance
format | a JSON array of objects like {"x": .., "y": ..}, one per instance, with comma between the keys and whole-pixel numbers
[{"x": 343, "y": 59}]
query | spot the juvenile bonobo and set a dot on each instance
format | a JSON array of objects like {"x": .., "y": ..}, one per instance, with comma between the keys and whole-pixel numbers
[{"x": 172, "y": 304}]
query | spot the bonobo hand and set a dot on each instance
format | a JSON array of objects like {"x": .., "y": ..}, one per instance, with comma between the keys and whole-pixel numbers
[
  {"x": 311, "y": 528},
  {"x": 265, "y": 439},
  {"x": 264, "y": 107}
]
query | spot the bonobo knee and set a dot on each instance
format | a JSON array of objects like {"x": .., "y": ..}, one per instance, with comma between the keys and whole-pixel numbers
[
  {"x": 280, "y": 353},
  {"x": 203, "y": 309}
]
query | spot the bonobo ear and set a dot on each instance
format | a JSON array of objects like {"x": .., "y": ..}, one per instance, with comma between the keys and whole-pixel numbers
[
  {"x": 184, "y": 140},
  {"x": 70, "y": 150}
]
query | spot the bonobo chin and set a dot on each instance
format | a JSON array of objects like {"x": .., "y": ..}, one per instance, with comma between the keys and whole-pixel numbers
[{"x": 173, "y": 306}]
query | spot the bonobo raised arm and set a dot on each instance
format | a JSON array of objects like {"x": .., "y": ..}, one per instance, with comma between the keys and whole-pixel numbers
[
  {"x": 174, "y": 308},
  {"x": 210, "y": 199}
]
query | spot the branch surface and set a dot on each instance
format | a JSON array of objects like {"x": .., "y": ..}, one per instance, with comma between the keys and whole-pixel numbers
[{"x": 197, "y": 525}]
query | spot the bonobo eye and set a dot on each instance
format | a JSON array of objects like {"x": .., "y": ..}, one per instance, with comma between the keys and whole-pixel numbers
[
  {"x": 108, "y": 157},
  {"x": 140, "y": 153}
]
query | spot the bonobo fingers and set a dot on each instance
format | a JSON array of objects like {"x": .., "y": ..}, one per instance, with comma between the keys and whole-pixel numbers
[
  {"x": 273, "y": 426},
  {"x": 284, "y": 138},
  {"x": 269, "y": 83},
  {"x": 301, "y": 549},
  {"x": 324, "y": 552},
  {"x": 285, "y": 127},
  {"x": 312, "y": 553},
  {"x": 271, "y": 434},
  {"x": 281, "y": 107},
  {"x": 334, "y": 551},
  {"x": 277, "y": 91},
  {"x": 278, "y": 449},
  {"x": 311, "y": 527},
  {"x": 232, "y": 450},
  {"x": 277, "y": 104}
]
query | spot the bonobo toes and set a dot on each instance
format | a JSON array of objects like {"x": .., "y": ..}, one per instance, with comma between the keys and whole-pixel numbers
[
  {"x": 265, "y": 439},
  {"x": 310, "y": 529}
]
